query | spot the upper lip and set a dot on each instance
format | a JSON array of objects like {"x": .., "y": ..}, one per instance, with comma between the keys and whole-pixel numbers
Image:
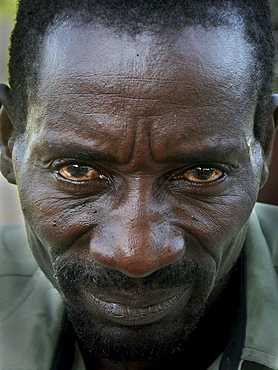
[
  {"x": 137, "y": 300},
  {"x": 135, "y": 309}
]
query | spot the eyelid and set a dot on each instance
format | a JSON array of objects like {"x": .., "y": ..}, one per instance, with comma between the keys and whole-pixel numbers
[
  {"x": 58, "y": 164},
  {"x": 89, "y": 173},
  {"x": 224, "y": 168},
  {"x": 214, "y": 176},
  {"x": 95, "y": 187}
]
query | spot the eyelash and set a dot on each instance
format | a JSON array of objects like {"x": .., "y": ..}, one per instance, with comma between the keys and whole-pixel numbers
[
  {"x": 178, "y": 176},
  {"x": 105, "y": 179},
  {"x": 57, "y": 165}
]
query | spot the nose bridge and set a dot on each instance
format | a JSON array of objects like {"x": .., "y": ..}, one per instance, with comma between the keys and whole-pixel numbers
[
  {"x": 137, "y": 205},
  {"x": 137, "y": 238}
]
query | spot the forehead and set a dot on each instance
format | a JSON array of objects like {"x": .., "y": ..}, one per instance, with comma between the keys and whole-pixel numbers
[
  {"x": 94, "y": 50},
  {"x": 110, "y": 83}
]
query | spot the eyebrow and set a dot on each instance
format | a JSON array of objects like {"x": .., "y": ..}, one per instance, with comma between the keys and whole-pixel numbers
[
  {"x": 219, "y": 152},
  {"x": 208, "y": 154},
  {"x": 76, "y": 151}
]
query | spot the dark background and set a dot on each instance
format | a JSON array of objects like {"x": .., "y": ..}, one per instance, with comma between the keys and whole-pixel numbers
[{"x": 269, "y": 194}]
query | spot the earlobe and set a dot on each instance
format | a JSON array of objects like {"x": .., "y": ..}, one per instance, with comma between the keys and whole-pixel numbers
[
  {"x": 270, "y": 134},
  {"x": 6, "y": 132}
]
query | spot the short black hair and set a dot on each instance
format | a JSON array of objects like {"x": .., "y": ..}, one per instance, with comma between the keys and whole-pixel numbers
[{"x": 34, "y": 18}]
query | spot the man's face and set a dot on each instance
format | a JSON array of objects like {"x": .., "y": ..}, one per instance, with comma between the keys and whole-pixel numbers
[{"x": 137, "y": 174}]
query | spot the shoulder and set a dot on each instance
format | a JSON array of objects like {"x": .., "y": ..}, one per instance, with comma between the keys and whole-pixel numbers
[
  {"x": 266, "y": 213},
  {"x": 16, "y": 256},
  {"x": 267, "y": 216},
  {"x": 17, "y": 264},
  {"x": 31, "y": 310}
]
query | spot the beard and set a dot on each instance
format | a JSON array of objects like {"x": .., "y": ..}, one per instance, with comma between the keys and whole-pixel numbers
[{"x": 148, "y": 342}]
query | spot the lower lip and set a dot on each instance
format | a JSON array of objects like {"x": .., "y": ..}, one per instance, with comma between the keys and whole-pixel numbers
[{"x": 130, "y": 316}]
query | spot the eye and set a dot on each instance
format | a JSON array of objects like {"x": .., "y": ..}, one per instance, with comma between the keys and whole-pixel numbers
[
  {"x": 78, "y": 172},
  {"x": 202, "y": 174}
]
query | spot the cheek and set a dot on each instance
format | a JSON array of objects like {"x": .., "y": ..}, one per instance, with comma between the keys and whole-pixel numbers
[
  {"x": 55, "y": 224},
  {"x": 219, "y": 224},
  {"x": 53, "y": 220},
  {"x": 56, "y": 219}
]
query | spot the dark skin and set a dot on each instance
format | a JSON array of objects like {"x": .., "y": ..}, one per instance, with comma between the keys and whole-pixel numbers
[
  {"x": 143, "y": 163},
  {"x": 211, "y": 336}
]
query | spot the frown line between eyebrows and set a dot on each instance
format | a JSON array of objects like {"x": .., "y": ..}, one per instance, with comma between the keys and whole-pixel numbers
[{"x": 225, "y": 153}]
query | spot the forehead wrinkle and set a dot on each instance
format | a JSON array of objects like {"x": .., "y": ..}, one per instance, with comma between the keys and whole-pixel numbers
[
  {"x": 117, "y": 97},
  {"x": 141, "y": 93},
  {"x": 173, "y": 52},
  {"x": 97, "y": 98},
  {"x": 143, "y": 85},
  {"x": 198, "y": 140},
  {"x": 88, "y": 151},
  {"x": 40, "y": 137}
]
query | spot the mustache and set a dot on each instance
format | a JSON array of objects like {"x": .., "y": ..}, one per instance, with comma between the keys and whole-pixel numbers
[{"x": 72, "y": 273}]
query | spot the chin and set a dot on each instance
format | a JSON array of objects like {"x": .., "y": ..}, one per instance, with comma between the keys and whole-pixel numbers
[
  {"x": 134, "y": 343},
  {"x": 99, "y": 329}
]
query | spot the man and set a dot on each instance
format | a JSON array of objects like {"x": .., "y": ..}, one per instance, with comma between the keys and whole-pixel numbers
[{"x": 139, "y": 134}]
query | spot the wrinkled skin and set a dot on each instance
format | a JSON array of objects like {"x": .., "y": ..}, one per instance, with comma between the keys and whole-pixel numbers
[{"x": 137, "y": 175}]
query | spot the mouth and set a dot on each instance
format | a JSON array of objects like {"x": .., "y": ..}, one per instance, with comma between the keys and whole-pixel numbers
[{"x": 133, "y": 311}]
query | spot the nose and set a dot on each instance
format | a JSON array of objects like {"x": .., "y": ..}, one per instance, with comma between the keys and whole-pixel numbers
[
  {"x": 136, "y": 251},
  {"x": 136, "y": 241}
]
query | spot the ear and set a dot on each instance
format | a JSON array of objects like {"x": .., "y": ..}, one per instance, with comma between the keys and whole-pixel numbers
[
  {"x": 6, "y": 131},
  {"x": 270, "y": 134}
]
